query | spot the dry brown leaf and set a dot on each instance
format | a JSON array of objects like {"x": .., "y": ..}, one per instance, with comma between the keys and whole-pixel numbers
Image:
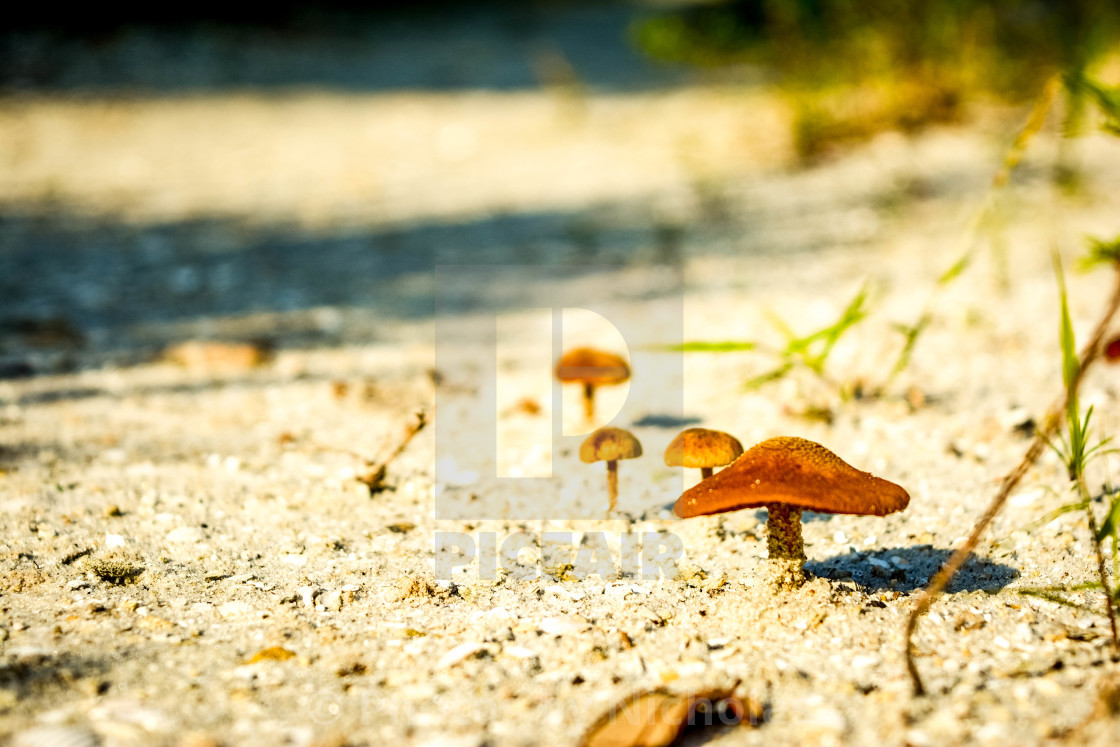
[
  {"x": 524, "y": 406},
  {"x": 657, "y": 718},
  {"x": 272, "y": 653},
  {"x": 217, "y": 357}
]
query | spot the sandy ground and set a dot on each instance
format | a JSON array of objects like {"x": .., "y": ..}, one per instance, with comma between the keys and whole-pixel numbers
[{"x": 188, "y": 557}]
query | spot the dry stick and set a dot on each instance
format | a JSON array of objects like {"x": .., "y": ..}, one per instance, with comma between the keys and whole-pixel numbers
[
  {"x": 411, "y": 430},
  {"x": 415, "y": 427},
  {"x": 374, "y": 478},
  {"x": 1053, "y": 419}
]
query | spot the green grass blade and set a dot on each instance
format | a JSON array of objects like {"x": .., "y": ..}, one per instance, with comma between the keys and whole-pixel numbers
[
  {"x": 1070, "y": 363},
  {"x": 815, "y": 348},
  {"x": 780, "y": 324},
  {"x": 720, "y": 346},
  {"x": 1111, "y": 523},
  {"x": 955, "y": 271},
  {"x": 910, "y": 333},
  {"x": 767, "y": 377},
  {"x": 1108, "y": 99},
  {"x": 1049, "y": 517},
  {"x": 1054, "y": 594},
  {"x": 1101, "y": 253}
]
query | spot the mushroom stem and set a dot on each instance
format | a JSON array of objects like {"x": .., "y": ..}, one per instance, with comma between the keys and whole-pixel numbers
[
  {"x": 705, "y": 473},
  {"x": 787, "y": 551},
  {"x": 612, "y": 483},
  {"x": 588, "y": 401}
]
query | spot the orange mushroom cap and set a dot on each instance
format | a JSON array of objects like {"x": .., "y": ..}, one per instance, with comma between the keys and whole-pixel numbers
[
  {"x": 795, "y": 472},
  {"x": 609, "y": 445},
  {"x": 700, "y": 447},
  {"x": 592, "y": 366}
]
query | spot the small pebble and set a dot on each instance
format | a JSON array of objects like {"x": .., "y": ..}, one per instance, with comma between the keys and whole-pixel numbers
[
  {"x": 563, "y": 625},
  {"x": 307, "y": 594},
  {"x": 56, "y": 736},
  {"x": 332, "y": 600}
]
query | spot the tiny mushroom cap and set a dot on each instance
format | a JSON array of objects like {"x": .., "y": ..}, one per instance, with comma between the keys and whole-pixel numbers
[
  {"x": 797, "y": 473},
  {"x": 700, "y": 448},
  {"x": 609, "y": 445},
  {"x": 592, "y": 366}
]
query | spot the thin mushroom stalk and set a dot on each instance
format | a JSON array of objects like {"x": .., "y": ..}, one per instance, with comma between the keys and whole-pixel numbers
[
  {"x": 785, "y": 545},
  {"x": 612, "y": 484},
  {"x": 705, "y": 473},
  {"x": 589, "y": 402}
]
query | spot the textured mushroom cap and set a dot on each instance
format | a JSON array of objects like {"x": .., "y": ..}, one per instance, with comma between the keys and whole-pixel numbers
[
  {"x": 610, "y": 445},
  {"x": 794, "y": 472},
  {"x": 592, "y": 366},
  {"x": 700, "y": 447}
]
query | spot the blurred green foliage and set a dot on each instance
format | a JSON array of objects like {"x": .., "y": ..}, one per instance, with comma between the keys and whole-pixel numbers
[{"x": 854, "y": 67}]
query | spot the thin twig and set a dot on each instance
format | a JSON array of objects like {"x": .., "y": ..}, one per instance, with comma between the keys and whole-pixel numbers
[
  {"x": 374, "y": 479},
  {"x": 1050, "y": 424}
]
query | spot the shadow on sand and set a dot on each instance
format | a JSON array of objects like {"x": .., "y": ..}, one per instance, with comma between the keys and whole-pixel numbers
[
  {"x": 908, "y": 569},
  {"x": 659, "y": 420}
]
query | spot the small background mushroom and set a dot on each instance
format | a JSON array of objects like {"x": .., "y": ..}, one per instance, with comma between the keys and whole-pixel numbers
[
  {"x": 592, "y": 368},
  {"x": 787, "y": 475},
  {"x": 703, "y": 449},
  {"x": 610, "y": 445}
]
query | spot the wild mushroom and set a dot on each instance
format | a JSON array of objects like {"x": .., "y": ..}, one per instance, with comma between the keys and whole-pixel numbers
[
  {"x": 787, "y": 475},
  {"x": 610, "y": 445},
  {"x": 702, "y": 448},
  {"x": 592, "y": 368}
]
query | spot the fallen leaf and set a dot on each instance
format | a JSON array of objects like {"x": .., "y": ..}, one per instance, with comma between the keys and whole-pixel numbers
[
  {"x": 212, "y": 357},
  {"x": 657, "y": 718},
  {"x": 524, "y": 406},
  {"x": 272, "y": 653}
]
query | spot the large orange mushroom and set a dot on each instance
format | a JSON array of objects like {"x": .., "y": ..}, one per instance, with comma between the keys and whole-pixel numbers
[{"x": 788, "y": 475}]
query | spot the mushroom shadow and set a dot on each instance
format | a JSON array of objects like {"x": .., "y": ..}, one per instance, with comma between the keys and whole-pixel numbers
[
  {"x": 908, "y": 569},
  {"x": 653, "y": 420}
]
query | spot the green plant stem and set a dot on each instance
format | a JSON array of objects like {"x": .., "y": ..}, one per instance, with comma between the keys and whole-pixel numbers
[
  {"x": 1084, "y": 491},
  {"x": 1049, "y": 425}
]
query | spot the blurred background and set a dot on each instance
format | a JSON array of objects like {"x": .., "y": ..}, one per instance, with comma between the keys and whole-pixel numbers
[{"x": 206, "y": 171}]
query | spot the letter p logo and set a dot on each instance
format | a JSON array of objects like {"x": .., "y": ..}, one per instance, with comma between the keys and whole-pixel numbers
[{"x": 532, "y": 359}]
